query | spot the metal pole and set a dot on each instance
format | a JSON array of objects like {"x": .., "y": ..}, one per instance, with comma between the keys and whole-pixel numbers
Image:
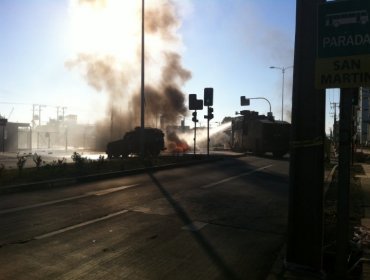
[
  {"x": 111, "y": 124},
  {"x": 142, "y": 116},
  {"x": 195, "y": 134},
  {"x": 208, "y": 135},
  {"x": 282, "y": 89},
  {"x": 345, "y": 140},
  {"x": 39, "y": 115},
  {"x": 306, "y": 172},
  {"x": 33, "y": 115},
  {"x": 264, "y": 99},
  {"x": 282, "y": 96},
  {"x": 66, "y": 140}
]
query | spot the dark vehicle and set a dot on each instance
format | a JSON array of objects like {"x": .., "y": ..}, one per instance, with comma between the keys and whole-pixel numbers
[
  {"x": 130, "y": 143},
  {"x": 259, "y": 134}
]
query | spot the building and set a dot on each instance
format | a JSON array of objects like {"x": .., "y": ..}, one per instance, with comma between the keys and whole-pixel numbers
[
  {"x": 15, "y": 137},
  {"x": 364, "y": 117},
  {"x": 55, "y": 135}
]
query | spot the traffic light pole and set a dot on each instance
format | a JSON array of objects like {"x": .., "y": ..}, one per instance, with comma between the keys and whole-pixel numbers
[
  {"x": 208, "y": 133},
  {"x": 264, "y": 99},
  {"x": 195, "y": 132}
]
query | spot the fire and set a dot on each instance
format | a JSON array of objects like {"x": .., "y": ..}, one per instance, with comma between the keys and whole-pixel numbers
[{"x": 176, "y": 145}]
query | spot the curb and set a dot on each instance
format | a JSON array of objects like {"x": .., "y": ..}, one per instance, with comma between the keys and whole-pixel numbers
[
  {"x": 278, "y": 270},
  {"x": 101, "y": 176},
  {"x": 328, "y": 180}
]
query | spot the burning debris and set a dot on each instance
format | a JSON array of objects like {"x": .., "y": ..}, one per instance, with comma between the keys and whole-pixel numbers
[{"x": 175, "y": 145}]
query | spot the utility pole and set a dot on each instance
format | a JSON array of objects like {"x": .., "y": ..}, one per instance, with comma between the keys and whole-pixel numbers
[
  {"x": 334, "y": 105},
  {"x": 58, "y": 113},
  {"x": 306, "y": 175},
  {"x": 345, "y": 148},
  {"x": 142, "y": 115},
  {"x": 40, "y": 115},
  {"x": 63, "y": 111},
  {"x": 38, "y": 132},
  {"x": 33, "y": 114}
]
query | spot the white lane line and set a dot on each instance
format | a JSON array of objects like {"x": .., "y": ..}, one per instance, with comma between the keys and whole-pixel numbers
[
  {"x": 97, "y": 193},
  {"x": 41, "y": 204},
  {"x": 107, "y": 191},
  {"x": 234, "y": 177},
  {"x": 80, "y": 225}
]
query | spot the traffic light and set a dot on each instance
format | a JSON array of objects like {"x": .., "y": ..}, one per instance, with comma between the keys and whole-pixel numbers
[
  {"x": 210, "y": 113},
  {"x": 244, "y": 101},
  {"x": 194, "y": 119},
  {"x": 194, "y": 103},
  {"x": 208, "y": 96}
]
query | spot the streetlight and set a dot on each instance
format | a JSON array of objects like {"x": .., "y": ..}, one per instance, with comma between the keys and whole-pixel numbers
[
  {"x": 282, "y": 93},
  {"x": 142, "y": 107},
  {"x": 245, "y": 101}
]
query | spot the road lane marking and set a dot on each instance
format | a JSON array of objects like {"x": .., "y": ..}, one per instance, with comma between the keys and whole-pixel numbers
[
  {"x": 81, "y": 225},
  {"x": 234, "y": 177},
  {"x": 96, "y": 193},
  {"x": 107, "y": 191}
]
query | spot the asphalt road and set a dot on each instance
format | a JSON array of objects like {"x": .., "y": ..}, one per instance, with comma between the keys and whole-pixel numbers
[{"x": 221, "y": 220}]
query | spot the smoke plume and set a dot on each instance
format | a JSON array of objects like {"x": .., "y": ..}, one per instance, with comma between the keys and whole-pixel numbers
[{"x": 112, "y": 67}]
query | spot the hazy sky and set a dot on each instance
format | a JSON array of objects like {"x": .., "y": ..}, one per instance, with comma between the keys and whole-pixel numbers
[{"x": 225, "y": 44}]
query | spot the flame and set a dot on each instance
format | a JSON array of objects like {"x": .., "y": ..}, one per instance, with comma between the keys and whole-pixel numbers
[{"x": 175, "y": 144}]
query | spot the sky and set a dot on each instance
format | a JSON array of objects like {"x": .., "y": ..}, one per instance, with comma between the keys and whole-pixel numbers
[{"x": 228, "y": 45}]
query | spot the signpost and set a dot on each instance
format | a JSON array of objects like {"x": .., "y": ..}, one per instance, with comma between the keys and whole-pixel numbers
[
  {"x": 343, "y": 61},
  {"x": 208, "y": 101},
  {"x": 343, "y": 45},
  {"x": 195, "y": 104}
]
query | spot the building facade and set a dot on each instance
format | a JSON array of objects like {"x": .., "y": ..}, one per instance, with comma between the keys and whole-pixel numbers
[{"x": 364, "y": 117}]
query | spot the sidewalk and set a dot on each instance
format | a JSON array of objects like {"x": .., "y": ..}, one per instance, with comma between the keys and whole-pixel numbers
[
  {"x": 363, "y": 192},
  {"x": 278, "y": 270},
  {"x": 365, "y": 221}
]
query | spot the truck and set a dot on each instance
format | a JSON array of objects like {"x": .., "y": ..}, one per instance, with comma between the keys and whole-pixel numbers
[
  {"x": 259, "y": 134},
  {"x": 130, "y": 143}
]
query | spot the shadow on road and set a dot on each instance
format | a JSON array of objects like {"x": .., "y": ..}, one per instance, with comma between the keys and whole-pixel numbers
[{"x": 216, "y": 259}]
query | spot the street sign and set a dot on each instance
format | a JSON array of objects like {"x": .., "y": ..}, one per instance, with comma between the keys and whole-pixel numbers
[{"x": 343, "y": 45}]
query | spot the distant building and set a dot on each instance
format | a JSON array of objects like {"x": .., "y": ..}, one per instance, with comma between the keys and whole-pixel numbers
[
  {"x": 15, "y": 137},
  {"x": 364, "y": 116},
  {"x": 64, "y": 134}
]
